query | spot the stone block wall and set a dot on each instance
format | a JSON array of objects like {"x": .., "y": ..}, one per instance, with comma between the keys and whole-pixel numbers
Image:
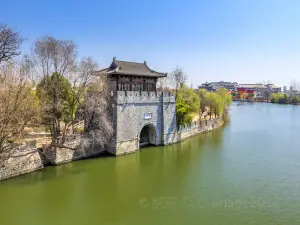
[
  {"x": 129, "y": 116},
  {"x": 76, "y": 147},
  {"x": 169, "y": 120},
  {"x": 195, "y": 128},
  {"x": 129, "y": 113},
  {"x": 125, "y": 147},
  {"x": 19, "y": 163}
]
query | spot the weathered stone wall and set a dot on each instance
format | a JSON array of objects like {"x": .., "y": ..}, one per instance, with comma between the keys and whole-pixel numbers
[
  {"x": 76, "y": 147},
  {"x": 190, "y": 130},
  {"x": 129, "y": 117},
  {"x": 195, "y": 128},
  {"x": 169, "y": 121},
  {"x": 19, "y": 162},
  {"x": 125, "y": 147},
  {"x": 129, "y": 110}
]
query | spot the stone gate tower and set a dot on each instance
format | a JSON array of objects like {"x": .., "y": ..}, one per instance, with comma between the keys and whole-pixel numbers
[{"x": 141, "y": 115}]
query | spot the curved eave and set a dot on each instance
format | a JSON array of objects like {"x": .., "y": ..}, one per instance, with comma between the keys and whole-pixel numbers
[
  {"x": 141, "y": 75},
  {"x": 160, "y": 74}
]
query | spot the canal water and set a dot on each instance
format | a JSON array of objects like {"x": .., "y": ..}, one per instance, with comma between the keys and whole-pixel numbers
[{"x": 247, "y": 172}]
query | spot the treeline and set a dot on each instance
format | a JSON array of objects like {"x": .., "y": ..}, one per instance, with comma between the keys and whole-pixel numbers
[
  {"x": 53, "y": 87},
  {"x": 282, "y": 98},
  {"x": 190, "y": 102}
]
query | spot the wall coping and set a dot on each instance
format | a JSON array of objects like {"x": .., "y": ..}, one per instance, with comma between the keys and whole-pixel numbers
[{"x": 121, "y": 97}]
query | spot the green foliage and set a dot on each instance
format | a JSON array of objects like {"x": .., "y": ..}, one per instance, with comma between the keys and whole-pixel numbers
[
  {"x": 294, "y": 100},
  {"x": 282, "y": 98},
  {"x": 215, "y": 102},
  {"x": 203, "y": 99},
  {"x": 51, "y": 86},
  {"x": 224, "y": 99},
  {"x": 190, "y": 102},
  {"x": 187, "y": 103},
  {"x": 277, "y": 97}
]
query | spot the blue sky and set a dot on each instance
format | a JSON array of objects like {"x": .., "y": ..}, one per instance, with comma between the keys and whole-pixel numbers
[{"x": 243, "y": 40}]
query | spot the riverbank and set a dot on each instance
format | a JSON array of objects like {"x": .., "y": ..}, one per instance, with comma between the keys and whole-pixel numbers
[
  {"x": 30, "y": 159},
  {"x": 195, "y": 128}
]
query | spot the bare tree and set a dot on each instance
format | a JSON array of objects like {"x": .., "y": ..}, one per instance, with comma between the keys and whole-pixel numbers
[
  {"x": 81, "y": 82},
  {"x": 295, "y": 85},
  {"x": 68, "y": 89},
  {"x": 56, "y": 58},
  {"x": 18, "y": 104},
  {"x": 97, "y": 112},
  {"x": 10, "y": 43},
  {"x": 162, "y": 83},
  {"x": 177, "y": 78}
]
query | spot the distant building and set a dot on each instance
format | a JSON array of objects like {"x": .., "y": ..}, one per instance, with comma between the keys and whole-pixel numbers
[
  {"x": 209, "y": 86},
  {"x": 273, "y": 88},
  {"x": 262, "y": 92},
  {"x": 214, "y": 86},
  {"x": 254, "y": 87},
  {"x": 261, "y": 87}
]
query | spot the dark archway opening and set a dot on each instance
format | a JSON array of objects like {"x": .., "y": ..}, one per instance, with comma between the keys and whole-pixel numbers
[{"x": 147, "y": 136}]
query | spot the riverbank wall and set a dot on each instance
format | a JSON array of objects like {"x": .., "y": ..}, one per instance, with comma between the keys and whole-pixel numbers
[
  {"x": 178, "y": 135},
  {"x": 30, "y": 159},
  {"x": 143, "y": 118},
  {"x": 185, "y": 132},
  {"x": 20, "y": 162},
  {"x": 75, "y": 148}
]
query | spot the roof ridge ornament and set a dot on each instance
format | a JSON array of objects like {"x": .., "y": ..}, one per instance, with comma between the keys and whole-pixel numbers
[
  {"x": 145, "y": 63},
  {"x": 114, "y": 58}
]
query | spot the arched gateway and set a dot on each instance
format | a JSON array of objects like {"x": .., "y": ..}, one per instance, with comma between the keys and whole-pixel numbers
[
  {"x": 147, "y": 136},
  {"x": 140, "y": 114}
]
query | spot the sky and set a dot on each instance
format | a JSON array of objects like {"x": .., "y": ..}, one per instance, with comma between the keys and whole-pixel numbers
[{"x": 247, "y": 41}]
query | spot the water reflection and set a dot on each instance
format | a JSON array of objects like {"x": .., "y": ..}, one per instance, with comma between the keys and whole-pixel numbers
[
  {"x": 245, "y": 160},
  {"x": 112, "y": 185},
  {"x": 152, "y": 171}
]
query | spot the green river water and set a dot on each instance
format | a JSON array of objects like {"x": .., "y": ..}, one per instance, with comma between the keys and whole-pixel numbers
[{"x": 247, "y": 172}]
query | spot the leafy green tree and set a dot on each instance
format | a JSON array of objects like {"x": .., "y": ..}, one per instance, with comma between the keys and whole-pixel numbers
[
  {"x": 275, "y": 97},
  {"x": 214, "y": 102},
  {"x": 203, "y": 100},
  {"x": 187, "y": 104},
  {"x": 281, "y": 98},
  {"x": 56, "y": 100},
  {"x": 294, "y": 100},
  {"x": 225, "y": 96},
  {"x": 223, "y": 101}
]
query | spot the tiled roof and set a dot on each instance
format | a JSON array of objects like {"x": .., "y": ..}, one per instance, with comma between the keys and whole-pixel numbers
[
  {"x": 131, "y": 68},
  {"x": 273, "y": 86},
  {"x": 252, "y": 86}
]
